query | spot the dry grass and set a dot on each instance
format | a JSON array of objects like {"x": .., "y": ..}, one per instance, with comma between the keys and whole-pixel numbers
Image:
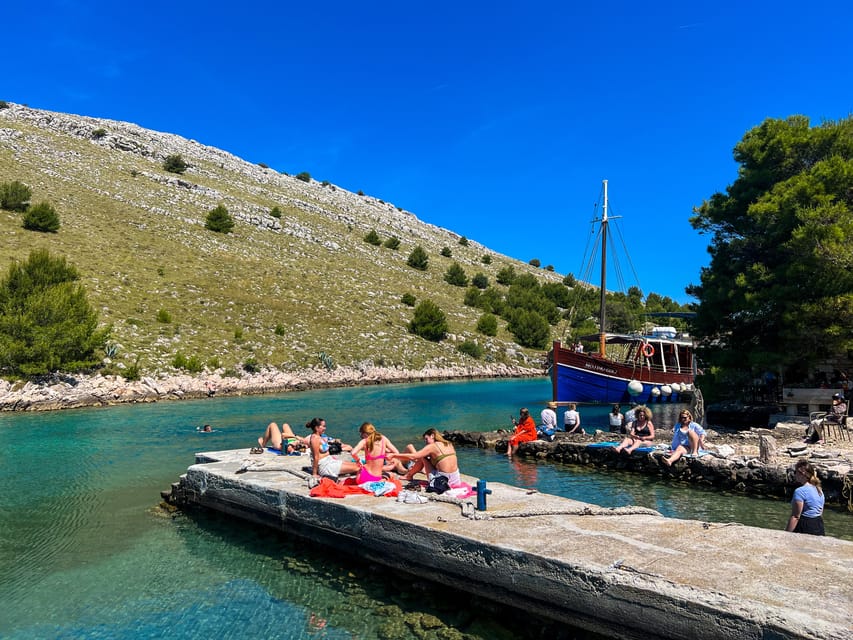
[{"x": 136, "y": 234}]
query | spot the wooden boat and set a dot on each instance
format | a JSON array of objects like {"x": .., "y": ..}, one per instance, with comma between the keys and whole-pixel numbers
[{"x": 655, "y": 366}]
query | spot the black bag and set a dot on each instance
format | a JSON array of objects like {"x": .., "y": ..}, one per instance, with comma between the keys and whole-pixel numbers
[
  {"x": 438, "y": 484},
  {"x": 335, "y": 447}
]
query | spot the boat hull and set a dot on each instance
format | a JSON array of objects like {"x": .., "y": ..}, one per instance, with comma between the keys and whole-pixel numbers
[{"x": 578, "y": 377}]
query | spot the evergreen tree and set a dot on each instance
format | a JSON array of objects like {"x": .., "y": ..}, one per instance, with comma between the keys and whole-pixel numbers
[
  {"x": 455, "y": 275},
  {"x": 481, "y": 281},
  {"x": 46, "y": 321},
  {"x": 418, "y": 259},
  {"x": 529, "y": 328},
  {"x": 373, "y": 238},
  {"x": 41, "y": 217},
  {"x": 219, "y": 220},
  {"x": 175, "y": 164},
  {"x": 488, "y": 325},
  {"x": 392, "y": 243},
  {"x": 778, "y": 293},
  {"x": 429, "y": 322},
  {"x": 14, "y": 196}
]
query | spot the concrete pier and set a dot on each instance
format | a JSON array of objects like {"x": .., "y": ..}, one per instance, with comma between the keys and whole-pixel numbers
[{"x": 624, "y": 573}]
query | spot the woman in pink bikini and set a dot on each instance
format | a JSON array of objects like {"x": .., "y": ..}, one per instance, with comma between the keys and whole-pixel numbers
[{"x": 376, "y": 449}]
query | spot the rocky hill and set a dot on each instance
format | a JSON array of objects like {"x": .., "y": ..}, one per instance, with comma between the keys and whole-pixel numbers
[{"x": 286, "y": 293}]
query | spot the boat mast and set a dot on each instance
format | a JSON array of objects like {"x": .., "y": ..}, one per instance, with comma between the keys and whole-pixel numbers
[{"x": 601, "y": 311}]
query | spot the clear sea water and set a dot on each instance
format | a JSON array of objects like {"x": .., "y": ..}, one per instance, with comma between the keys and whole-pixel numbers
[{"x": 86, "y": 552}]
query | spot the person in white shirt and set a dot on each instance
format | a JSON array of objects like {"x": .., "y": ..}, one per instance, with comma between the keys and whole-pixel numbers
[
  {"x": 616, "y": 418},
  {"x": 549, "y": 421},
  {"x": 572, "y": 419}
]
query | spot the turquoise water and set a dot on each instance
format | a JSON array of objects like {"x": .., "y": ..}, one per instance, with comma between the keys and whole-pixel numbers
[{"x": 85, "y": 552}]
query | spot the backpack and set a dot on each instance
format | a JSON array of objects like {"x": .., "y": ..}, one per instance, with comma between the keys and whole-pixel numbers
[{"x": 438, "y": 484}]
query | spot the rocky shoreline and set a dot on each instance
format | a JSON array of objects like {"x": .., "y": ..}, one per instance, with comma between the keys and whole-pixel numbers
[
  {"x": 752, "y": 462},
  {"x": 67, "y": 391}
]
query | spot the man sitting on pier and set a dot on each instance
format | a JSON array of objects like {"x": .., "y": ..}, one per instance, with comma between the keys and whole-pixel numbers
[{"x": 814, "y": 432}]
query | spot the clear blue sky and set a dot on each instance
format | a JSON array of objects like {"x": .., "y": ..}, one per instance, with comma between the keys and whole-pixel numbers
[{"x": 496, "y": 120}]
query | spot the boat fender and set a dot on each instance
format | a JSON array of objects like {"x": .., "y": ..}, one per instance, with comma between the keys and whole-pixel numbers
[
  {"x": 635, "y": 387},
  {"x": 648, "y": 349},
  {"x": 666, "y": 391},
  {"x": 655, "y": 392}
]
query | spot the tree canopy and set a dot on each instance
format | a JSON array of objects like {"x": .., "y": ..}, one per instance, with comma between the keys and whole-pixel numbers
[
  {"x": 46, "y": 321},
  {"x": 778, "y": 293}
]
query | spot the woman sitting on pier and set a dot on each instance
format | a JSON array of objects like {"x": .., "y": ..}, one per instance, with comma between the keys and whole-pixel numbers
[
  {"x": 688, "y": 438},
  {"x": 323, "y": 463},
  {"x": 807, "y": 503},
  {"x": 377, "y": 449},
  {"x": 438, "y": 457},
  {"x": 641, "y": 431},
  {"x": 525, "y": 431}
]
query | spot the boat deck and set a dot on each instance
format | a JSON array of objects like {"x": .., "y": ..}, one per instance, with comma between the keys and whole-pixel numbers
[{"x": 616, "y": 572}]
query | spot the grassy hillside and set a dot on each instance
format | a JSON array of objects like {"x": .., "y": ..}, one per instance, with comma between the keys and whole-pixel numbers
[{"x": 279, "y": 291}]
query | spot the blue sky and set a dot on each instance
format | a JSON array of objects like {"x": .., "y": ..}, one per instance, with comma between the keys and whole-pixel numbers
[{"x": 497, "y": 120}]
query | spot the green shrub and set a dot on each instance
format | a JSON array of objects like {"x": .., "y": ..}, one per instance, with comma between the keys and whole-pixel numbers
[
  {"x": 279, "y": 329},
  {"x": 99, "y": 133},
  {"x": 392, "y": 243},
  {"x": 455, "y": 275},
  {"x": 505, "y": 276},
  {"x": 250, "y": 365},
  {"x": 429, "y": 322},
  {"x": 408, "y": 299},
  {"x": 471, "y": 348},
  {"x": 486, "y": 259},
  {"x": 304, "y": 176},
  {"x": 549, "y": 267},
  {"x": 179, "y": 361},
  {"x": 192, "y": 364},
  {"x": 481, "y": 281},
  {"x": 164, "y": 317},
  {"x": 275, "y": 212},
  {"x": 46, "y": 321},
  {"x": 238, "y": 334},
  {"x": 15, "y": 196},
  {"x": 4, "y": 104},
  {"x": 488, "y": 325},
  {"x": 175, "y": 164},
  {"x": 161, "y": 271},
  {"x": 132, "y": 372},
  {"x": 569, "y": 280},
  {"x": 472, "y": 297},
  {"x": 41, "y": 217},
  {"x": 418, "y": 259},
  {"x": 219, "y": 220},
  {"x": 214, "y": 363},
  {"x": 373, "y": 238},
  {"x": 446, "y": 252},
  {"x": 263, "y": 166},
  {"x": 360, "y": 192},
  {"x": 529, "y": 328},
  {"x": 326, "y": 183},
  {"x": 463, "y": 241},
  {"x": 534, "y": 262}
]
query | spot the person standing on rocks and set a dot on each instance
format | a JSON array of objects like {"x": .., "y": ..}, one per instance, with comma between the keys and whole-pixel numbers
[{"x": 807, "y": 503}]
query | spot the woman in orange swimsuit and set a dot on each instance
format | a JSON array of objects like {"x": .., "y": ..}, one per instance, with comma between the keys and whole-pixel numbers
[{"x": 376, "y": 449}]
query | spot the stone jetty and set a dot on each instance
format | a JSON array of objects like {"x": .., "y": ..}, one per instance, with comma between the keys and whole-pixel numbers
[{"x": 625, "y": 573}]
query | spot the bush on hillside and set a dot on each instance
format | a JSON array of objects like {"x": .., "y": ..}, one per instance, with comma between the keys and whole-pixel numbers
[
  {"x": 463, "y": 241},
  {"x": 535, "y": 263},
  {"x": 446, "y": 252},
  {"x": 41, "y": 217},
  {"x": 472, "y": 297},
  {"x": 175, "y": 164},
  {"x": 455, "y": 275},
  {"x": 408, "y": 299},
  {"x": 481, "y": 281},
  {"x": 392, "y": 243},
  {"x": 486, "y": 259},
  {"x": 471, "y": 348},
  {"x": 14, "y": 196},
  {"x": 505, "y": 276},
  {"x": 488, "y": 324},
  {"x": 275, "y": 212},
  {"x": 418, "y": 259},
  {"x": 99, "y": 133},
  {"x": 429, "y": 322},
  {"x": 529, "y": 328},
  {"x": 304, "y": 176},
  {"x": 373, "y": 238},
  {"x": 46, "y": 321},
  {"x": 219, "y": 220}
]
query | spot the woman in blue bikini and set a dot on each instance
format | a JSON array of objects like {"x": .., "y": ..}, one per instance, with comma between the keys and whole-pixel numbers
[{"x": 324, "y": 463}]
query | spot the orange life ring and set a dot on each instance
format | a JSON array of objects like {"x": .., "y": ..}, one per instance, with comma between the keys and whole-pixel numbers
[{"x": 647, "y": 349}]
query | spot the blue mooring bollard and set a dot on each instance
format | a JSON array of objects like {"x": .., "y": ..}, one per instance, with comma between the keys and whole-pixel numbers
[{"x": 481, "y": 495}]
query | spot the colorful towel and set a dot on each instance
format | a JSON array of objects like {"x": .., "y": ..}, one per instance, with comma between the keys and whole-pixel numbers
[
  {"x": 328, "y": 488},
  {"x": 595, "y": 445}
]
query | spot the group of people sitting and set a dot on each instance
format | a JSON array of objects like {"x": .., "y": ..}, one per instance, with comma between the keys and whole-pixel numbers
[{"x": 372, "y": 459}]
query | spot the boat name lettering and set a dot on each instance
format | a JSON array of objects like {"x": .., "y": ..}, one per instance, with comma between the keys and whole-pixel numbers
[{"x": 598, "y": 367}]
